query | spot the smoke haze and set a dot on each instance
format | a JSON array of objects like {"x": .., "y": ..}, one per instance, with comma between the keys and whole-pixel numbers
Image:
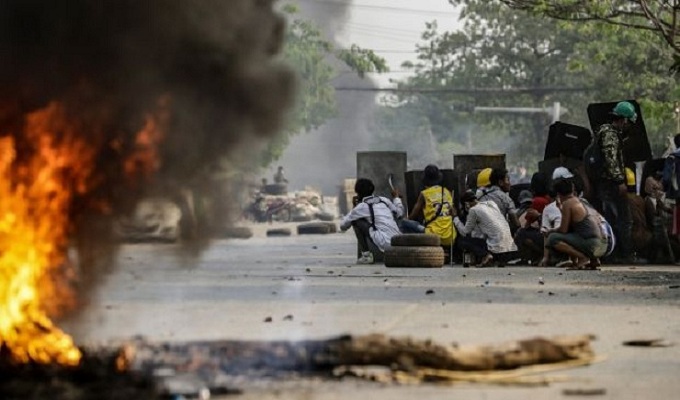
[
  {"x": 324, "y": 157},
  {"x": 205, "y": 70}
]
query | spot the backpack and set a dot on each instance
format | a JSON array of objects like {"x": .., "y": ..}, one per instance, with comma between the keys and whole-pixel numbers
[
  {"x": 593, "y": 161},
  {"x": 609, "y": 233}
]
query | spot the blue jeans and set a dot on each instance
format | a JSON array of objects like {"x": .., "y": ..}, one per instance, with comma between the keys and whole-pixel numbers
[{"x": 410, "y": 226}]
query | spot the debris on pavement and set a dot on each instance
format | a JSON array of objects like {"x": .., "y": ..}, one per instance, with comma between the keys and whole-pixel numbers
[
  {"x": 658, "y": 342},
  {"x": 584, "y": 392},
  {"x": 162, "y": 369}
]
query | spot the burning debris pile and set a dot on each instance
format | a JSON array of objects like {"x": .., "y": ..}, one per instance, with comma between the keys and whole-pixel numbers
[
  {"x": 104, "y": 103},
  {"x": 197, "y": 369}
]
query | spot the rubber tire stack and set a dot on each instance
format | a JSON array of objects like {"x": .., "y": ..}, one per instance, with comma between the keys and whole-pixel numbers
[
  {"x": 415, "y": 250},
  {"x": 279, "y": 232}
]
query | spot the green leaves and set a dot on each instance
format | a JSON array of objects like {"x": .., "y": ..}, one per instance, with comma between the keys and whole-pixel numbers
[
  {"x": 500, "y": 50},
  {"x": 362, "y": 60},
  {"x": 313, "y": 58}
]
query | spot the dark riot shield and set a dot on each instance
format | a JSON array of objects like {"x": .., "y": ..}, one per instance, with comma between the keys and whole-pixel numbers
[
  {"x": 566, "y": 140},
  {"x": 636, "y": 145}
]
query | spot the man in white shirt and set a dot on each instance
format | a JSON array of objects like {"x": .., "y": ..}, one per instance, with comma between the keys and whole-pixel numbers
[
  {"x": 373, "y": 219},
  {"x": 486, "y": 217},
  {"x": 498, "y": 192},
  {"x": 550, "y": 222},
  {"x": 551, "y": 218}
]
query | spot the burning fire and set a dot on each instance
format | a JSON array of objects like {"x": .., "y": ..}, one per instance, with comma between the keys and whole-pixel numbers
[{"x": 40, "y": 178}]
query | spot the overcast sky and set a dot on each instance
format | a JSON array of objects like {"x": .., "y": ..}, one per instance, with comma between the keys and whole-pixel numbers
[
  {"x": 393, "y": 27},
  {"x": 324, "y": 157},
  {"x": 390, "y": 27}
]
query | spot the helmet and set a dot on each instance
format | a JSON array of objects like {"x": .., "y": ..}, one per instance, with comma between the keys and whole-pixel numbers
[
  {"x": 626, "y": 110},
  {"x": 484, "y": 177},
  {"x": 630, "y": 177}
]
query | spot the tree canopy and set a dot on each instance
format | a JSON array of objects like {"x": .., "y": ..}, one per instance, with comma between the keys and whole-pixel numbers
[
  {"x": 658, "y": 16},
  {"x": 466, "y": 82},
  {"x": 313, "y": 58}
]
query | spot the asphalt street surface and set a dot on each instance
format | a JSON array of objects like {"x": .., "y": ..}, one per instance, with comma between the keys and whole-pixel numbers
[{"x": 308, "y": 287}]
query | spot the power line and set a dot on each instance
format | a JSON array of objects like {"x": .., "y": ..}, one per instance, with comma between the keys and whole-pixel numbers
[
  {"x": 338, "y": 3},
  {"x": 387, "y": 29},
  {"x": 462, "y": 90},
  {"x": 375, "y": 72},
  {"x": 391, "y": 51},
  {"x": 383, "y": 33}
]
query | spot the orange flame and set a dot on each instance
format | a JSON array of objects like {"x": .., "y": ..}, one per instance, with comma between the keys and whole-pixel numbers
[
  {"x": 37, "y": 188},
  {"x": 145, "y": 158}
]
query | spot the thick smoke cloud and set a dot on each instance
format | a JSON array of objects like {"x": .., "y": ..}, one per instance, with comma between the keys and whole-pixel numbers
[
  {"x": 209, "y": 65},
  {"x": 326, "y": 156}
]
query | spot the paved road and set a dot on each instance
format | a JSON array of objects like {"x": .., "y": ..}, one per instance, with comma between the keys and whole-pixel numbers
[{"x": 310, "y": 288}]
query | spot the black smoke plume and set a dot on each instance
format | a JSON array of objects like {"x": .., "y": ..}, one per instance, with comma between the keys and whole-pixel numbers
[{"x": 211, "y": 66}]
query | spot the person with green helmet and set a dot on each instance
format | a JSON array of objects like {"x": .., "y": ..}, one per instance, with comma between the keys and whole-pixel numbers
[{"x": 611, "y": 189}]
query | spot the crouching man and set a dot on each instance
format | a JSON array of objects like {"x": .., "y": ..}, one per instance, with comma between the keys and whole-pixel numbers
[
  {"x": 580, "y": 235},
  {"x": 484, "y": 218},
  {"x": 373, "y": 219}
]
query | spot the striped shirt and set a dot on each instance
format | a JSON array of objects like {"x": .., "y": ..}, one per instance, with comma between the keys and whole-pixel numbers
[{"x": 487, "y": 218}]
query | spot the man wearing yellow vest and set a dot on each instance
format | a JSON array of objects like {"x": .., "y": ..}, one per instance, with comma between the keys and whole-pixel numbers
[{"x": 434, "y": 207}]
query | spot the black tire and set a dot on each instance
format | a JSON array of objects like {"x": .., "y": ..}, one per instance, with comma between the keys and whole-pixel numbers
[
  {"x": 236, "y": 232},
  {"x": 279, "y": 232},
  {"x": 313, "y": 228},
  {"x": 416, "y": 239},
  {"x": 414, "y": 257}
]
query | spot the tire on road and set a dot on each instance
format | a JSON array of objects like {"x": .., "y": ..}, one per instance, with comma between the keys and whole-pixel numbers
[
  {"x": 236, "y": 232},
  {"x": 279, "y": 232},
  {"x": 414, "y": 257},
  {"x": 415, "y": 239},
  {"x": 314, "y": 228}
]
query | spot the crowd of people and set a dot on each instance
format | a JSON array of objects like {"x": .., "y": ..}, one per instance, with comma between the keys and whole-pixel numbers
[{"x": 568, "y": 218}]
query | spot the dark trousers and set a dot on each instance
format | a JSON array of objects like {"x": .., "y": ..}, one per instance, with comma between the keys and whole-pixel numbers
[
  {"x": 529, "y": 241},
  {"x": 475, "y": 246},
  {"x": 361, "y": 230},
  {"x": 616, "y": 210}
]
